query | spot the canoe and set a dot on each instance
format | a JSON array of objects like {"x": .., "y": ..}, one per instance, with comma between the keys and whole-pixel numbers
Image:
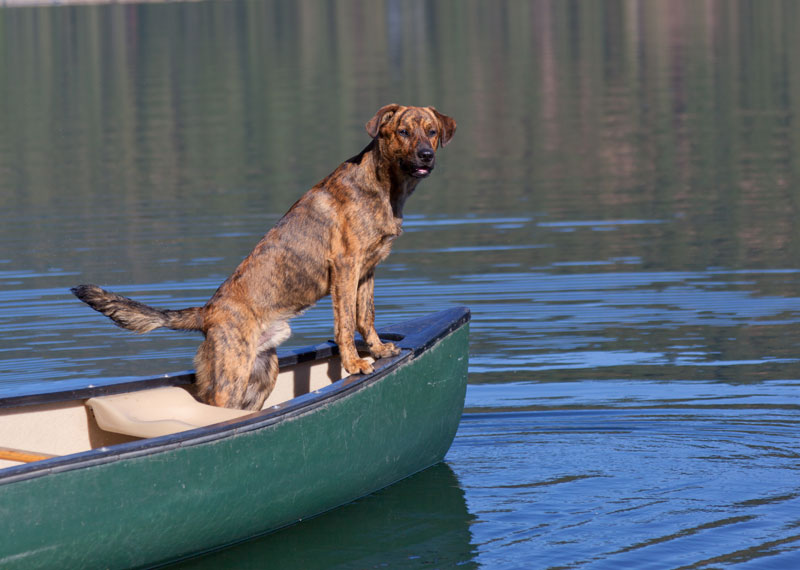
[{"x": 139, "y": 473}]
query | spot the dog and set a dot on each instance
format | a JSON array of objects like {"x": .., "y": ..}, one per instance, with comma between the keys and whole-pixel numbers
[{"x": 329, "y": 242}]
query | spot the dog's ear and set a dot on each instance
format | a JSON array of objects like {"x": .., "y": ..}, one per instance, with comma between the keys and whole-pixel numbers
[
  {"x": 447, "y": 127},
  {"x": 384, "y": 114}
]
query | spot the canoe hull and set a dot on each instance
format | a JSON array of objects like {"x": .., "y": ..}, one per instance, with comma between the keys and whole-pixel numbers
[{"x": 152, "y": 505}]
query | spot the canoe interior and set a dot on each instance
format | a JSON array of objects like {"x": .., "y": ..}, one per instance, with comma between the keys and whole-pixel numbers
[{"x": 66, "y": 427}]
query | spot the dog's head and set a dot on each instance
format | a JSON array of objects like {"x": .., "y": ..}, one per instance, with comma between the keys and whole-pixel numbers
[{"x": 410, "y": 135}]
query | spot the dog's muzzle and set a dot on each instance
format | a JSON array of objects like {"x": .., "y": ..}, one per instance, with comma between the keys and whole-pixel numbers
[{"x": 423, "y": 165}]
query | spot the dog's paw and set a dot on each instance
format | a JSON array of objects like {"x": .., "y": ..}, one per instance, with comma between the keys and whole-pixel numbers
[
  {"x": 383, "y": 350},
  {"x": 358, "y": 366}
]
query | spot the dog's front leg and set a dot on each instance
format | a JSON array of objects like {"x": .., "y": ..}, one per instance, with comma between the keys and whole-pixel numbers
[
  {"x": 365, "y": 320},
  {"x": 344, "y": 286}
]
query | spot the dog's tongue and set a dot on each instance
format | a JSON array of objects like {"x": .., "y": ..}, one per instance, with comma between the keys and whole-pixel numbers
[{"x": 422, "y": 171}]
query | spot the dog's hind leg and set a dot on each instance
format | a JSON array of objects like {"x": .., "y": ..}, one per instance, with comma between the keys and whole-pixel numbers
[
  {"x": 237, "y": 372},
  {"x": 223, "y": 366},
  {"x": 264, "y": 372},
  {"x": 262, "y": 380}
]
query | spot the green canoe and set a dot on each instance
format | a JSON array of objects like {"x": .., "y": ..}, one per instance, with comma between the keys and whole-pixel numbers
[{"x": 140, "y": 474}]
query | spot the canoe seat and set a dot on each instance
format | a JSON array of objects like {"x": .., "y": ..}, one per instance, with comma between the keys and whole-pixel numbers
[{"x": 156, "y": 412}]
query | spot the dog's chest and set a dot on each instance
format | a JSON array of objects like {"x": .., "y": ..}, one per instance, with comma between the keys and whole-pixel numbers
[
  {"x": 380, "y": 232},
  {"x": 378, "y": 251}
]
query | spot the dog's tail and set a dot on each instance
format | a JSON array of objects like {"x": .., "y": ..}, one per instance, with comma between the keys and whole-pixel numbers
[{"x": 135, "y": 316}]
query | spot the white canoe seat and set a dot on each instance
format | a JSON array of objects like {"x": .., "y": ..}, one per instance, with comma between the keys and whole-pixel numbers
[{"x": 156, "y": 412}]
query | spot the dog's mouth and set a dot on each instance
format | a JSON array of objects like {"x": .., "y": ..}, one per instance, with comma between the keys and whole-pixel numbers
[{"x": 418, "y": 170}]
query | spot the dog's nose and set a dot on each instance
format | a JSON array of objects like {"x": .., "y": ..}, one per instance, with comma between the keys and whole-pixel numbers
[{"x": 425, "y": 154}]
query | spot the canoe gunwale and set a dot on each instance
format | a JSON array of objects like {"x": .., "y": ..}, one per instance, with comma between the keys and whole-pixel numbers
[
  {"x": 183, "y": 378},
  {"x": 413, "y": 337}
]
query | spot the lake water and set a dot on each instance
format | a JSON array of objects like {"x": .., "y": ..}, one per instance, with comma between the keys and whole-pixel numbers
[{"x": 618, "y": 208}]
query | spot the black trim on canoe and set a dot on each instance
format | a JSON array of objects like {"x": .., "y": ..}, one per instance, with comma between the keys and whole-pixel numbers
[{"x": 413, "y": 336}]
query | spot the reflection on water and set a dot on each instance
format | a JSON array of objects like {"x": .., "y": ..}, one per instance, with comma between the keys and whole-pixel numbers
[{"x": 618, "y": 209}]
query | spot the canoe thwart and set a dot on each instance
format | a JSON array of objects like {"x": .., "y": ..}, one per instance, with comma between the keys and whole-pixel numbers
[
  {"x": 23, "y": 455},
  {"x": 156, "y": 412}
]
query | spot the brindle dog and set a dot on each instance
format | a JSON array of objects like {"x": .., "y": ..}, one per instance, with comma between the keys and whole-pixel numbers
[{"x": 328, "y": 242}]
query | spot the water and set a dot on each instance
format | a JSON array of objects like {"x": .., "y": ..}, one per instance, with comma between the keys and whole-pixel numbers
[{"x": 617, "y": 207}]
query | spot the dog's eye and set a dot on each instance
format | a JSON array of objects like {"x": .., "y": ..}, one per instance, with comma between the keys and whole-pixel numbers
[
  {"x": 432, "y": 133},
  {"x": 403, "y": 132}
]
